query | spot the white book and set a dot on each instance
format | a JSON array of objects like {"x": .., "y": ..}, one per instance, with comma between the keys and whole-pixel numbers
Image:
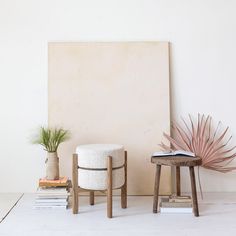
[
  {"x": 176, "y": 209},
  {"x": 173, "y": 153},
  {"x": 49, "y": 207},
  {"x": 52, "y": 190},
  {"x": 51, "y": 204},
  {"x": 48, "y": 200},
  {"x": 51, "y": 197},
  {"x": 52, "y": 193}
]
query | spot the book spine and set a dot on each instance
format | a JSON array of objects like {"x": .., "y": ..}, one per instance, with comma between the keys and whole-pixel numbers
[
  {"x": 175, "y": 205},
  {"x": 180, "y": 201},
  {"x": 49, "y": 207},
  {"x": 176, "y": 210},
  {"x": 50, "y": 204},
  {"x": 50, "y": 200}
]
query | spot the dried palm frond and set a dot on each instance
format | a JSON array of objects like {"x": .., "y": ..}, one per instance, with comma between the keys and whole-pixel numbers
[{"x": 207, "y": 142}]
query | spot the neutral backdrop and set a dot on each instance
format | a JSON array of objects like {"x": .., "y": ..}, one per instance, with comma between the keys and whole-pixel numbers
[
  {"x": 202, "y": 35},
  {"x": 112, "y": 93}
]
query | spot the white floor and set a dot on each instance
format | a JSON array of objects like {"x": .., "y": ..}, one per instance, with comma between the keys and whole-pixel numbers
[
  {"x": 218, "y": 217},
  {"x": 7, "y": 202}
]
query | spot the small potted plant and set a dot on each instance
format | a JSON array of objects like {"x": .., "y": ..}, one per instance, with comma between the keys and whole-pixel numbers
[{"x": 50, "y": 139}]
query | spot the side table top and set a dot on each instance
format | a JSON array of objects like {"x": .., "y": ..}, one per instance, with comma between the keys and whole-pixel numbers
[{"x": 177, "y": 161}]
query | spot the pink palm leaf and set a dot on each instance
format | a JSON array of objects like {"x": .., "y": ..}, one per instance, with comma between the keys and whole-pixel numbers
[{"x": 205, "y": 141}]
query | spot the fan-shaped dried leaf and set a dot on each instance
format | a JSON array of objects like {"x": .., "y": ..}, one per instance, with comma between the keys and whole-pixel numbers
[{"x": 205, "y": 141}]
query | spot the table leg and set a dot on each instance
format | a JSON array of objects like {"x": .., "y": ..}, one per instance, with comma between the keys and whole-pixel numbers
[
  {"x": 91, "y": 198},
  {"x": 109, "y": 187},
  {"x": 75, "y": 194},
  {"x": 124, "y": 187},
  {"x": 156, "y": 188},
  {"x": 194, "y": 191},
  {"x": 178, "y": 185}
]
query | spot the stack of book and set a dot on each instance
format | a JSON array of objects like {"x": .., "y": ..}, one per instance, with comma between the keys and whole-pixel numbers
[
  {"x": 176, "y": 204},
  {"x": 52, "y": 193}
]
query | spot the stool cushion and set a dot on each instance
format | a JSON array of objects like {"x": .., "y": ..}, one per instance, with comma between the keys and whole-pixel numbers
[
  {"x": 97, "y": 180},
  {"x": 94, "y": 156}
]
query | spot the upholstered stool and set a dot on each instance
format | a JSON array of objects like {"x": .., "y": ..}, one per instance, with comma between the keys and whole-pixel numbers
[{"x": 100, "y": 167}]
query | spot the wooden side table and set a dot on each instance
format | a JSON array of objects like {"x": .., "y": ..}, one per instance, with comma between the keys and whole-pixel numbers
[{"x": 176, "y": 161}]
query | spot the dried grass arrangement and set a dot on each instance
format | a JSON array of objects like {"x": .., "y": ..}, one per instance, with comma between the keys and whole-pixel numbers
[
  {"x": 209, "y": 143},
  {"x": 51, "y": 138}
]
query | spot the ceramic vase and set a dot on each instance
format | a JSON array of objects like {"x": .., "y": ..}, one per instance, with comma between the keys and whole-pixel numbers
[{"x": 52, "y": 166}]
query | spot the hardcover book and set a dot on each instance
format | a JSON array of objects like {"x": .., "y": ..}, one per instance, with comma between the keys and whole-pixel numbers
[
  {"x": 62, "y": 182},
  {"x": 165, "y": 202},
  {"x": 166, "y": 206},
  {"x": 173, "y": 153}
]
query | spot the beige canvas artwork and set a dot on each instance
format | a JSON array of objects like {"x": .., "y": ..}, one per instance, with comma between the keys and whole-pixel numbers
[{"x": 112, "y": 93}]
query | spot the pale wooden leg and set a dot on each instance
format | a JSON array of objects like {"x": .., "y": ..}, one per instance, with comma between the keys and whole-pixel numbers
[
  {"x": 156, "y": 188},
  {"x": 75, "y": 197},
  {"x": 91, "y": 197},
  {"x": 178, "y": 184},
  {"x": 194, "y": 191},
  {"x": 124, "y": 187},
  {"x": 109, "y": 187}
]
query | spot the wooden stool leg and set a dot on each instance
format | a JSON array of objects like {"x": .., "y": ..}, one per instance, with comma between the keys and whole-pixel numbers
[
  {"x": 75, "y": 195},
  {"x": 91, "y": 198},
  {"x": 109, "y": 187},
  {"x": 178, "y": 185},
  {"x": 156, "y": 188},
  {"x": 194, "y": 191},
  {"x": 124, "y": 187}
]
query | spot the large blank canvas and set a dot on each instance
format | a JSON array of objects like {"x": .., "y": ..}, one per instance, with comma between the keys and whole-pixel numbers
[{"x": 112, "y": 93}]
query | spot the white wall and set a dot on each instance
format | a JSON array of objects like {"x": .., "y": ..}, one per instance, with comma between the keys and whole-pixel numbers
[{"x": 203, "y": 36}]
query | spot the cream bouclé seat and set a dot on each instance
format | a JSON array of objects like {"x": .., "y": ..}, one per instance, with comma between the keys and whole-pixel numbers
[{"x": 100, "y": 167}]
